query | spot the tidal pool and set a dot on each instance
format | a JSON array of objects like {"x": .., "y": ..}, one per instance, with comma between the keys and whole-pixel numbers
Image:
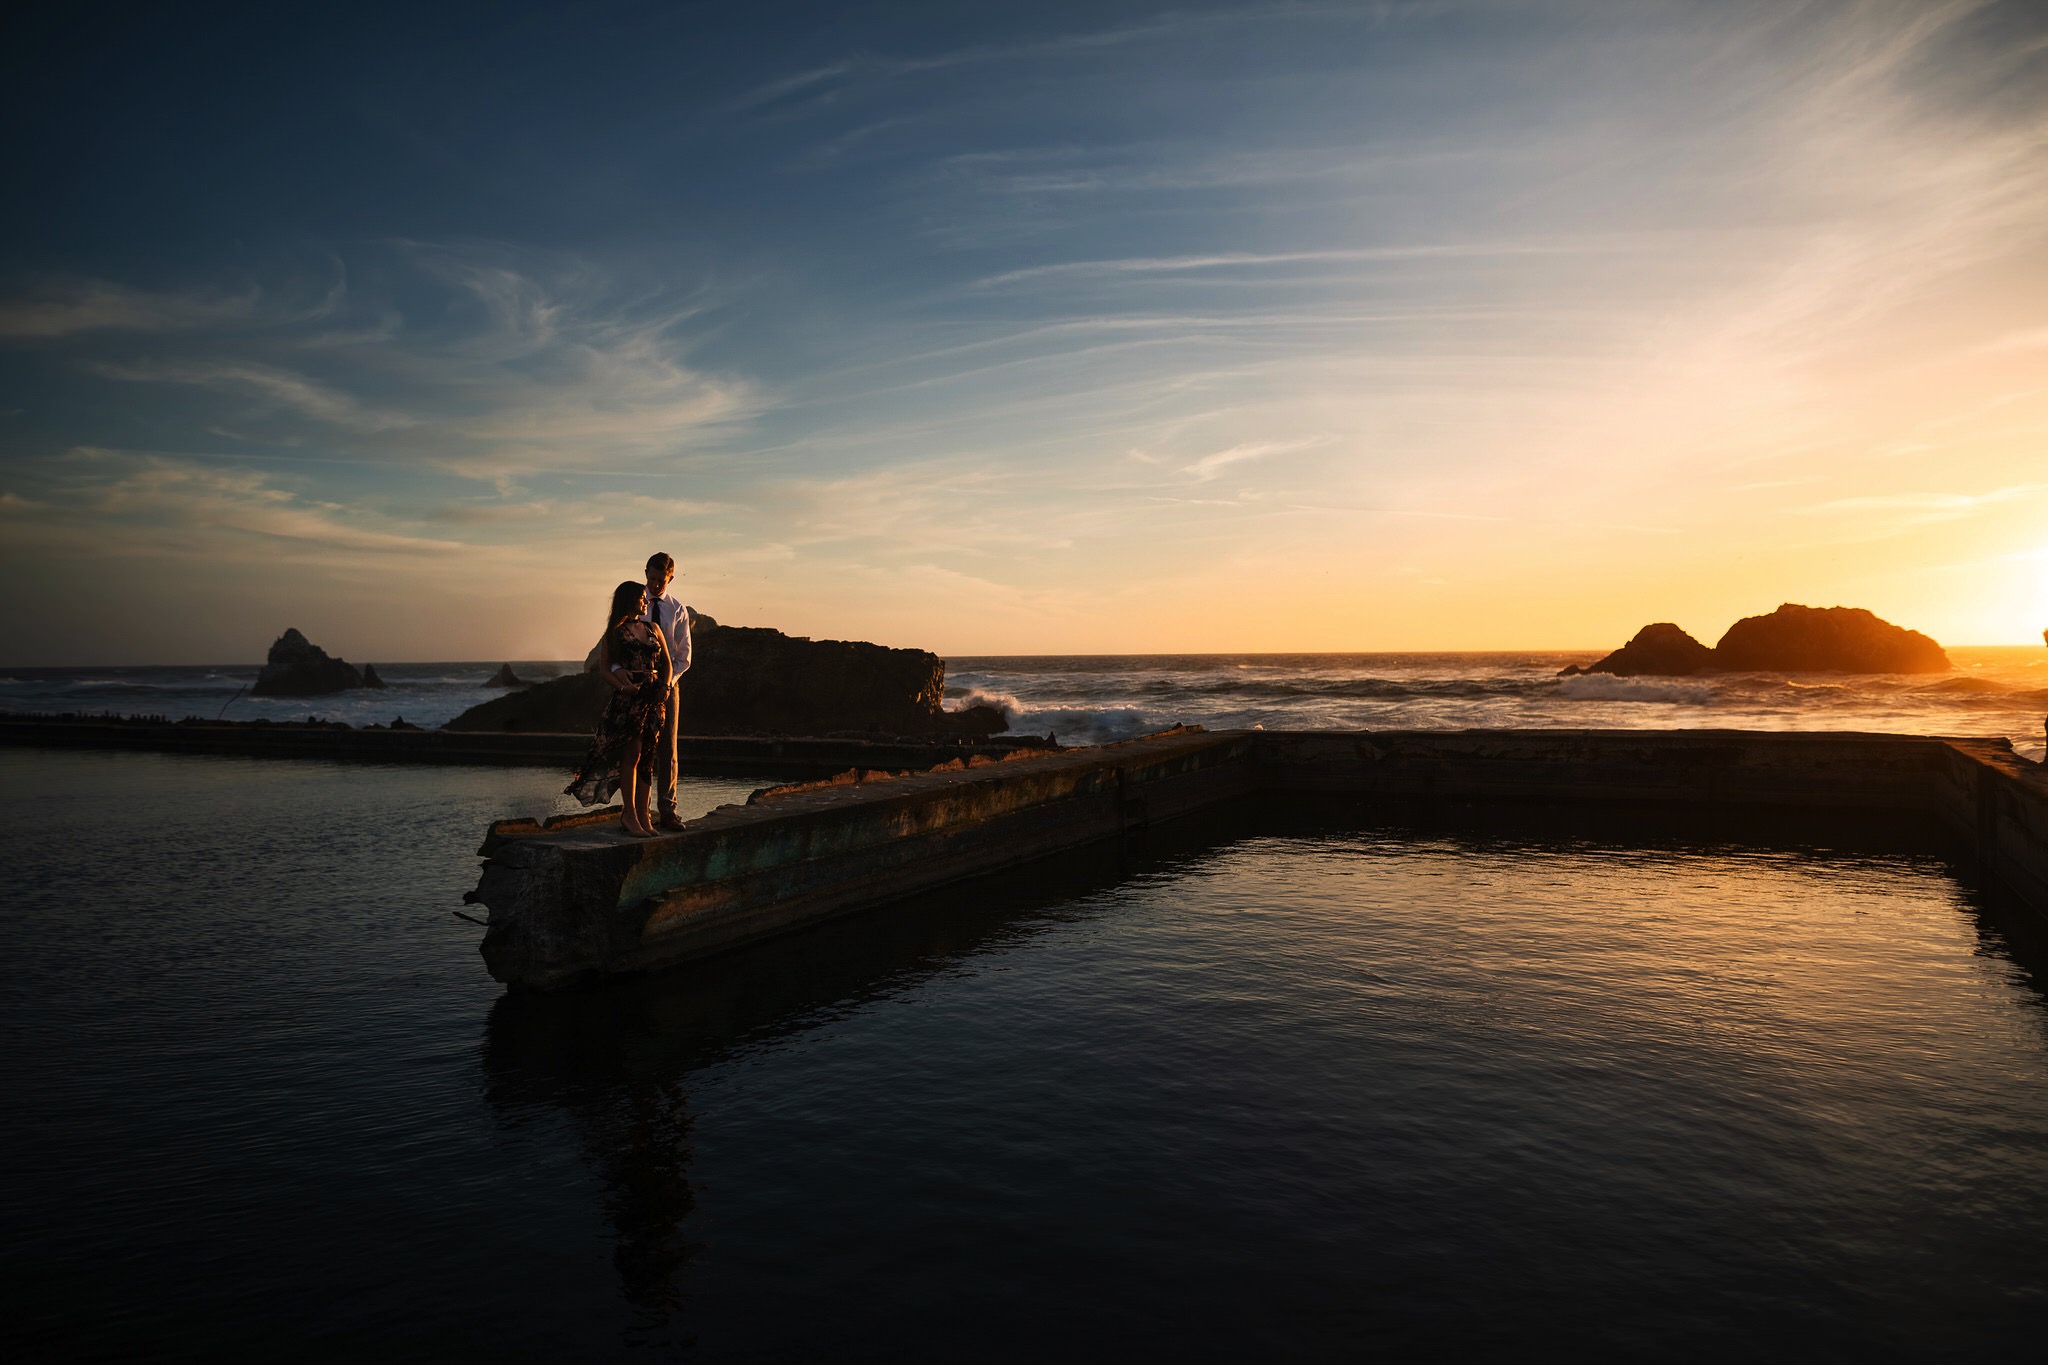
[{"x": 1302, "y": 1084}]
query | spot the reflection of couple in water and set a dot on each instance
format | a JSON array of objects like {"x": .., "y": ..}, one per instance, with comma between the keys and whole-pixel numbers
[{"x": 644, "y": 653}]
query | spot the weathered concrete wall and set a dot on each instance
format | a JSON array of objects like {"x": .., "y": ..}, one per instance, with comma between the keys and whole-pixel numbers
[
  {"x": 575, "y": 903},
  {"x": 1704, "y": 766},
  {"x": 748, "y": 756},
  {"x": 581, "y": 901},
  {"x": 1998, "y": 801}
]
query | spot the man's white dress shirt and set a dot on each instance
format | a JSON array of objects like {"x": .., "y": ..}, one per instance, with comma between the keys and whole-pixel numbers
[{"x": 672, "y": 619}]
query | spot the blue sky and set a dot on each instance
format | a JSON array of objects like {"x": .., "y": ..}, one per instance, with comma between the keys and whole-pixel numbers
[{"x": 1022, "y": 329}]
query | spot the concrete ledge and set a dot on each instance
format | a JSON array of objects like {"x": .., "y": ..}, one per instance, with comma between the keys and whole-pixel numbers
[
  {"x": 1998, "y": 800},
  {"x": 1801, "y": 768},
  {"x": 574, "y": 904},
  {"x": 592, "y": 901}
]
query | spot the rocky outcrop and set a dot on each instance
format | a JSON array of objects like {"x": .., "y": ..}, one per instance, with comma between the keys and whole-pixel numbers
[
  {"x": 1792, "y": 639},
  {"x": 1660, "y": 650},
  {"x": 505, "y": 677},
  {"x": 299, "y": 668},
  {"x": 564, "y": 706},
  {"x": 1796, "y": 639},
  {"x": 749, "y": 680},
  {"x": 370, "y": 678}
]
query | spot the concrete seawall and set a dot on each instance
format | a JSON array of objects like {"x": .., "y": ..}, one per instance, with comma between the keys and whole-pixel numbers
[
  {"x": 579, "y": 901},
  {"x": 744, "y": 755},
  {"x": 570, "y": 903}
]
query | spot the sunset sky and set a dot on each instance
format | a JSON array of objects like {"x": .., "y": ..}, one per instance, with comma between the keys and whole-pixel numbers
[{"x": 1022, "y": 328}]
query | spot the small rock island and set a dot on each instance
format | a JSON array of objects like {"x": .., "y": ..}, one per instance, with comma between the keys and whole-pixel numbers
[
  {"x": 297, "y": 667},
  {"x": 1792, "y": 639}
]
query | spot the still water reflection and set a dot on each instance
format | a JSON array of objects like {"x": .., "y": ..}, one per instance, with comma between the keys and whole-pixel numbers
[{"x": 1304, "y": 1087}]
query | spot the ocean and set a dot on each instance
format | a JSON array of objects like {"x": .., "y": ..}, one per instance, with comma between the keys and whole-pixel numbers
[
  {"x": 1309, "y": 1081},
  {"x": 1089, "y": 699},
  {"x": 1094, "y": 698}
]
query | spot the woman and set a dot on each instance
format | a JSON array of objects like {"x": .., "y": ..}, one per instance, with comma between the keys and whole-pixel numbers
[{"x": 632, "y": 658}]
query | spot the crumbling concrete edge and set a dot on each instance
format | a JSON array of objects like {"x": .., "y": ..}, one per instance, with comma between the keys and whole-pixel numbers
[{"x": 579, "y": 902}]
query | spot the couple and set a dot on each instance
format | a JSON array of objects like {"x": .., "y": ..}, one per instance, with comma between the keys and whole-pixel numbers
[{"x": 644, "y": 653}]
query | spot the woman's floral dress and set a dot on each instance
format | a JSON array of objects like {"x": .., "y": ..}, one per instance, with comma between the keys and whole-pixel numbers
[{"x": 636, "y": 648}]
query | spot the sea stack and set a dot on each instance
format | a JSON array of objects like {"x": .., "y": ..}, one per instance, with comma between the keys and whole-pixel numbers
[
  {"x": 1796, "y": 639},
  {"x": 1660, "y": 650},
  {"x": 505, "y": 677},
  {"x": 1792, "y": 639},
  {"x": 299, "y": 668},
  {"x": 370, "y": 678}
]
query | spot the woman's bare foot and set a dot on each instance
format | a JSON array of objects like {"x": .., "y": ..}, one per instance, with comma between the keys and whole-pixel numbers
[{"x": 639, "y": 830}]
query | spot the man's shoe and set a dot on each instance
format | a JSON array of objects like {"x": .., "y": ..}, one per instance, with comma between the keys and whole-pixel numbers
[{"x": 668, "y": 820}]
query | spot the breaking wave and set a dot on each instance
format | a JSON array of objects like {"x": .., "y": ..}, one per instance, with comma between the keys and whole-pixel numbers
[
  {"x": 1607, "y": 687},
  {"x": 1069, "y": 724}
]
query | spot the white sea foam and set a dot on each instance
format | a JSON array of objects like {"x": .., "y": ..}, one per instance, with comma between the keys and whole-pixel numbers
[
  {"x": 1607, "y": 687},
  {"x": 1072, "y": 724},
  {"x": 976, "y": 696}
]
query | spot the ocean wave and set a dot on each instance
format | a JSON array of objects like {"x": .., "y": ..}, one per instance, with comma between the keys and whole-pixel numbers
[
  {"x": 104, "y": 687},
  {"x": 1953, "y": 685},
  {"x": 1358, "y": 689},
  {"x": 1240, "y": 693},
  {"x": 1983, "y": 690},
  {"x": 1607, "y": 687},
  {"x": 1073, "y": 724},
  {"x": 2000, "y": 700},
  {"x": 975, "y": 696}
]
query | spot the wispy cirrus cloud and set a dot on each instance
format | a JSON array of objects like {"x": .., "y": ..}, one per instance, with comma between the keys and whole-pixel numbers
[
  {"x": 142, "y": 505},
  {"x": 1912, "y": 509},
  {"x": 99, "y": 306},
  {"x": 876, "y": 68},
  {"x": 279, "y": 387},
  {"x": 1241, "y": 260},
  {"x": 482, "y": 364},
  {"x": 1212, "y": 465}
]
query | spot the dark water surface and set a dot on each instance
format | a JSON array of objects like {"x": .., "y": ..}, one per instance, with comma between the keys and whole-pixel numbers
[{"x": 1315, "y": 1087}]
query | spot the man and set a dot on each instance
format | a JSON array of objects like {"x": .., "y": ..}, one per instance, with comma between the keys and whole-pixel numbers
[{"x": 672, "y": 619}]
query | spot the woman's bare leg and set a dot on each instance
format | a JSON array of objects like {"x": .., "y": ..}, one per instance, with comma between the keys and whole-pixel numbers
[
  {"x": 643, "y": 772},
  {"x": 632, "y": 788}
]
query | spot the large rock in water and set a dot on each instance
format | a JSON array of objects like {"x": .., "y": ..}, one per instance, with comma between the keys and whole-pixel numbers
[
  {"x": 1660, "y": 650},
  {"x": 749, "y": 680},
  {"x": 562, "y": 706},
  {"x": 1792, "y": 639},
  {"x": 299, "y": 668},
  {"x": 1796, "y": 639}
]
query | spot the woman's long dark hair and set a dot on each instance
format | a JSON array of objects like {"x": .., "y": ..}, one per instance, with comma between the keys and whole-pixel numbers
[{"x": 625, "y": 606}]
